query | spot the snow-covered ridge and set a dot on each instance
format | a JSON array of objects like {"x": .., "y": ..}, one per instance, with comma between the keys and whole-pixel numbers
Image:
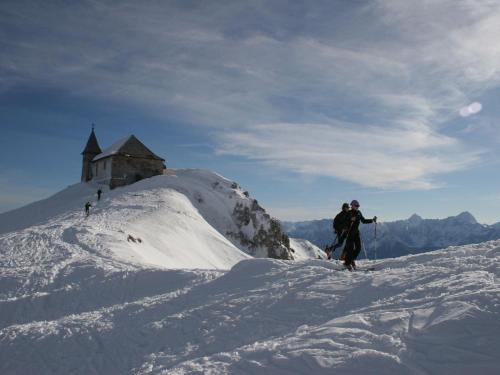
[{"x": 180, "y": 221}]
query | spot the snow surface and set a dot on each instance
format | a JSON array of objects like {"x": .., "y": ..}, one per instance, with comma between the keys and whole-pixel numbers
[
  {"x": 304, "y": 249},
  {"x": 182, "y": 220},
  {"x": 77, "y": 298},
  {"x": 146, "y": 223},
  {"x": 434, "y": 313}
]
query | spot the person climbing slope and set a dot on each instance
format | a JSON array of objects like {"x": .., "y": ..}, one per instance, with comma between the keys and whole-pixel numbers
[
  {"x": 340, "y": 227},
  {"x": 353, "y": 242},
  {"x": 87, "y": 208}
]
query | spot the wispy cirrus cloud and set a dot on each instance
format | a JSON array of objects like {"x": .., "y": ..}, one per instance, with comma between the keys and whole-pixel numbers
[
  {"x": 405, "y": 158},
  {"x": 302, "y": 87}
]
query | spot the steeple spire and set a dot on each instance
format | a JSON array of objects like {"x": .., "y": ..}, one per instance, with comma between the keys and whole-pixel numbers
[
  {"x": 91, "y": 150},
  {"x": 92, "y": 146}
]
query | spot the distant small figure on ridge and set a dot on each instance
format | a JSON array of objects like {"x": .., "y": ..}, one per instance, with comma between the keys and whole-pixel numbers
[
  {"x": 99, "y": 192},
  {"x": 87, "y": 208},
  {"x": 340, "y": 227}
]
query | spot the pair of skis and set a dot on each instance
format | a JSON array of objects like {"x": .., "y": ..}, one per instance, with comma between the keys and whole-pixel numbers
[
  {"x": 357, "y": 269},
  {"x": 354, "y": 269}
]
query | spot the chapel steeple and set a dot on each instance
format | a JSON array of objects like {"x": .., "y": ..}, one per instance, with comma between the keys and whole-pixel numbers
[{"x": 91, "y": 150}]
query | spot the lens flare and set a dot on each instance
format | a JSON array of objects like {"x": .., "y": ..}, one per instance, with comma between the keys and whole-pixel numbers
[{"x": 471, "y": 109}]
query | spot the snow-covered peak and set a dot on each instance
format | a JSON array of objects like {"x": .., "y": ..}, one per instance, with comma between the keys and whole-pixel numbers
[
  {"x": 466, "y": 218},
  {"x": 401, "y": 237},
  {"x": 415, "y": 219},
  {"x": 189, "y": 219}
]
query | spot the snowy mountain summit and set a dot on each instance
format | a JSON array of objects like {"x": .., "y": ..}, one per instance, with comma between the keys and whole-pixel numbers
[
  {"x": 189, "y": 219},
  {"x": 466, "y": 218},
  {"x": 161, "y": 279},
  {"x": 415, "y": 219}
]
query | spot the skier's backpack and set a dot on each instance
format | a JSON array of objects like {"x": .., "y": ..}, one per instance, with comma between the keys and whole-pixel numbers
[{"x": 337, "y": 223}]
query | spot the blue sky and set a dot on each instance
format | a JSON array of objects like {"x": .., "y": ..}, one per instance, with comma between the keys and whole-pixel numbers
[{"x": 305, "y": 104}]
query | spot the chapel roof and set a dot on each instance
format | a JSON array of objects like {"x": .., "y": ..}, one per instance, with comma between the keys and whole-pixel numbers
[{"x": 130, "y": 146}]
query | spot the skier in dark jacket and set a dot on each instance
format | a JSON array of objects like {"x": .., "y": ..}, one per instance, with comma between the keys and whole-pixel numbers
[
  {"x": 353, "y": 243},
  {"x": 87, "y": 208},
  {"x": 99, "y": 192},
  {"x": 340, "y": 227}
]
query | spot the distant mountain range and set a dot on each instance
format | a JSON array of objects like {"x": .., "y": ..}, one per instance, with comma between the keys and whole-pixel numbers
[{"x": 411, "y": 236}]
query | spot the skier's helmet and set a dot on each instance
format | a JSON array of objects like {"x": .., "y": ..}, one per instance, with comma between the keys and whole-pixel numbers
[
  {"x": 345, "y": 205},
  {"x": 355, "y": 203}
]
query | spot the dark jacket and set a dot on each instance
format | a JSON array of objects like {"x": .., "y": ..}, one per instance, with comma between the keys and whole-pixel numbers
[
  {"x": 356, "y": 217},
  {"x": 341, "y": 221}
]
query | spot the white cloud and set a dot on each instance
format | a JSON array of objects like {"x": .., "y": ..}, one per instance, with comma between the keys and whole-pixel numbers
[
  {"x": 406, "y": 66},
  {"x": 370, "y": 156}
]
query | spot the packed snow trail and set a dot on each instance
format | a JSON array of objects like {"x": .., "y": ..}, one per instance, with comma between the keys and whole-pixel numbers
[{"x": 435, "y": 313}]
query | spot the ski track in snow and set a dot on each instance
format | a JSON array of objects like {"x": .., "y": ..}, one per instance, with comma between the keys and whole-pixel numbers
[{"x": 76, "y": 297}]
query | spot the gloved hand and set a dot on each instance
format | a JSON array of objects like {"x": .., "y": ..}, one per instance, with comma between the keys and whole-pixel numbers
[{"x": 374, "y": 219}]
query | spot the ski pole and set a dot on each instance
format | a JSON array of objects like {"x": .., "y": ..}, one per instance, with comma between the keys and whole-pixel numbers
[
  {"x": 334, "y": 246},
  {"x": 336, "y": 238},
  {"x": 375, "y": 241},
  {"x": 346, "y": 239},
  {"x": 364, "y": 249}
]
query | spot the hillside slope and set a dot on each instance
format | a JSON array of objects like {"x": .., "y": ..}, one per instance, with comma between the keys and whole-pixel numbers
[
  {"x": 303, "y": 249},
  {"x": 193, "y": 219}
]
